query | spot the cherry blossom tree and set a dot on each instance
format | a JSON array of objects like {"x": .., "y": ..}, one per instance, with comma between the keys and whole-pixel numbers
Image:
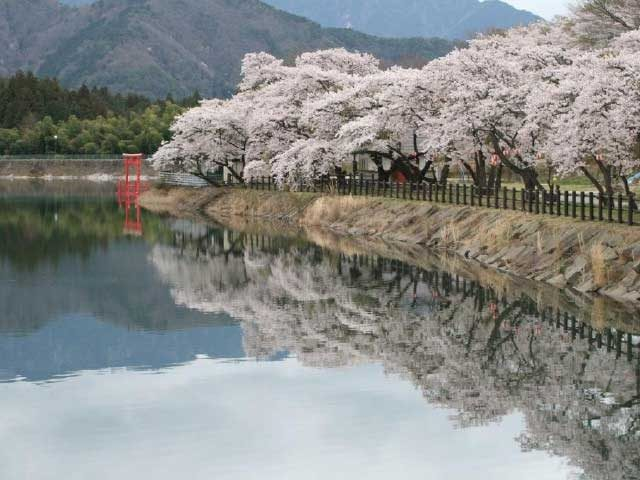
[
  {"x": 519, "y": 99},
  {"x": 597, "y": 22},
  {"x": 279, "y": 138},
  {"x": 588, "y": 113},
  {"x": 208, "y": 137},
  {"x": 488, "y": 86},
  {"x": 375, "y": 116}
]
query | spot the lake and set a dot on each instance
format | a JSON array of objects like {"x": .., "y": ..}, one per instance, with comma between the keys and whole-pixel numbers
[{"x": 134, "y": 345}]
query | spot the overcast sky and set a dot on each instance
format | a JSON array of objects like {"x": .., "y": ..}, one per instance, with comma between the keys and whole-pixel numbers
[{"x": 544, "y": 8}]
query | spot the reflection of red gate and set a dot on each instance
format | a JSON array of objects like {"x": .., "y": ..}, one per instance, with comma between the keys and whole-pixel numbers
[
  {"x": 128, "y": 192},
  {"x": 132, "y": 225}
]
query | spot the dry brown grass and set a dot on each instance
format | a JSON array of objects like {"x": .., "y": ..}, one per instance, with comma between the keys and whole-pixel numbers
[
  {"x": 598, "y": 265},
  {"x": 450, "y": 235},
  {"x": 539, "y": 244},
  {"x": 497, "y": 234},
  {"x": 599, "y": 313},
  {"x": 329, "y": 210}
]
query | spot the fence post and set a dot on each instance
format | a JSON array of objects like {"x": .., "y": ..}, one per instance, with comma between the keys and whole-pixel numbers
[
  {"x": 523, "y": 200},
  {"x": 457, "y": 194},
  {"x": 504, "y": 198},
  {"x": 591, "y": 210},
  {"x": 566, "y": 203},
  {"x": 430, "y": 191},
  {"x": 496, "y": 193},
  {"x": 573, "y": 204},
  {"x": 600, "y": 207},
  {"x": 544, "y": 201},
  {"x": 366, "y": 188},
  {"x": 630, "y": 206},
  {"x": 424, "y": 191},
  {"x": 610, "y": 209},
  {"x": 537, "y": 202},
  {"x": 620, "y": 220},
  {"x": 473, "y": 187},
  {"x": 404, "y": 190},
  {"x": 397, "y": 189},
  {"x": 464, "y": 193},
  {"x": 480, "y": 192},
  {"x": 513, "y": 198},
  {"x": 530, "y": 200},
  {"x": 558, "y": 201},
  {"x": 411, "y": 191},
  {"x": 361, "y": 182},
  {"x": 582, "y": 207},
  {"x": 450, "y": 193}
]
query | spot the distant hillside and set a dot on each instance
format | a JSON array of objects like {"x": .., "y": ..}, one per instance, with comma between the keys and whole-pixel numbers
[
  {"x": 156, "y": 47},
  {"x": 410, "y": 18}
]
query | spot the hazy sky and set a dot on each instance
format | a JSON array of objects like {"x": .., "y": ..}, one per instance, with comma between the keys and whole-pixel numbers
[{"x": 544, "y": 8}]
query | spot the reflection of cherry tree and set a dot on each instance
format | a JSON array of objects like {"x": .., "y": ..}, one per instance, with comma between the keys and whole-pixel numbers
[{"x": 465, "y": 347}]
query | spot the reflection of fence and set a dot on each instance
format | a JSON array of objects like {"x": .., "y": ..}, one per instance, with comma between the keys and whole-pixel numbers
[
  {"x": 586, "y": 206},
  {"x": 455, "y": 288}
]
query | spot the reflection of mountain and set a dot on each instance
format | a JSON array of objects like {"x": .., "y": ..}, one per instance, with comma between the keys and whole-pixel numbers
[
  {"x": 466, "y": 347},
  {"x": 75, "y": 295},
  {"x": 76, "y": 343}
]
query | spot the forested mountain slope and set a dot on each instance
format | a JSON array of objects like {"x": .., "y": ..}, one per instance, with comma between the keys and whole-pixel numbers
[
  {"x": 410, "y": 18},
  {"x": 156, "y": 47}
]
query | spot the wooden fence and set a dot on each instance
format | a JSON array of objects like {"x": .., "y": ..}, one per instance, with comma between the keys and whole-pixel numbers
[{"x": 586, "y": 206}]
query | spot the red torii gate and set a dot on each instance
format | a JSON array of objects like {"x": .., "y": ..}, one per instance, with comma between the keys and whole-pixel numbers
[{"x": 128, "y": 192}]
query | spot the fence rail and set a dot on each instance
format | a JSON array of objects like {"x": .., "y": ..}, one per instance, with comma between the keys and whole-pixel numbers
[
  {"x": 182, "y": 180},
  {"x": 585, "y": 206}
]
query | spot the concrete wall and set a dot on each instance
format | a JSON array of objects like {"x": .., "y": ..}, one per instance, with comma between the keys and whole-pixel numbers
[{"x": 62, "y": 168}]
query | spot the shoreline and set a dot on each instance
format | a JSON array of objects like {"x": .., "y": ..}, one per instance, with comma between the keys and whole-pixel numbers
[
  {"x": 66, "y": 169},
  {"x": 591, "y": 260}
]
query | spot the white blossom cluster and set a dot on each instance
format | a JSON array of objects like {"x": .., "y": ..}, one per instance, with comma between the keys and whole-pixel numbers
[{"x": 528, "y": 97}]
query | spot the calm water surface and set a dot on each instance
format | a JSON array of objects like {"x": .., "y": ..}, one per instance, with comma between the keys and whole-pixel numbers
[{"x": 171, "y": 349}]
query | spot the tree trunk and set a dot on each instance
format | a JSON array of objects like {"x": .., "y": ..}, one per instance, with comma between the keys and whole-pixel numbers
[
  {"x": 627, "y": 189},
  {"x": 528, "y": 174}
]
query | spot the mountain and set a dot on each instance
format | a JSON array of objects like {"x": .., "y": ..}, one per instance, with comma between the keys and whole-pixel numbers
[
  {"x": 160, "y": 47},
  {"x": 410, "y": 18}
]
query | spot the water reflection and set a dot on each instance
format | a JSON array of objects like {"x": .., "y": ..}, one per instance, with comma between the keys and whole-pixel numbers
[
  {"x": 89, "y": 315},
  {"x": 76, "y": 295},
  {"x": 482, "y": 353}
]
